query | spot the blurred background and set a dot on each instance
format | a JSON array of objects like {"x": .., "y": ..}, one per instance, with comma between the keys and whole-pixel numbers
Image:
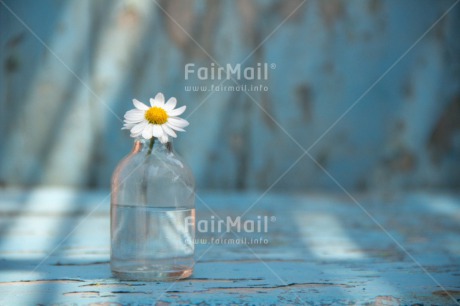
[{"x": 361, "y": 85}]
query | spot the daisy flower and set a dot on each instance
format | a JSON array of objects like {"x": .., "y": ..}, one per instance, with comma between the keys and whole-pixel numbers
[{"x": 160, "y": 120}]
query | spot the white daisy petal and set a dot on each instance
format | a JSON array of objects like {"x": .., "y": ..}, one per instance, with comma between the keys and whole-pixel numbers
[
  {"x": 177, "y": 111},
  {"x": 138, "y": 128},
  {"x": 179, "y": 122},
  {"x": 139, "y": 105},
  {"x": 155, "y": 102},
  {"x": 164, "y": 139},
  {"x": 172, "y": 126},
  {"x": 134, "y": 115},
  {"x": 136, "y": 134},
  {"x": 168, "y": 131},
  {"x": 170, "y": 104},
  {"x": 129, "y": 122},
  {"x": 126, "y": 121},
  {"x": 128, "y": 126},
  {"x": 152, "y": 127},
  {"x": 147, "y": 132},
  {"x": 133, "y": 121},
  {"x": 160, "y": 97},
  {"x": 135, "y": 111},
  {"x": 157, "y": 131}
]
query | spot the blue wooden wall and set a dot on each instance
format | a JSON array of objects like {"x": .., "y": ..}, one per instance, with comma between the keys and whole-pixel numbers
[{"x": 69, "y": 70}]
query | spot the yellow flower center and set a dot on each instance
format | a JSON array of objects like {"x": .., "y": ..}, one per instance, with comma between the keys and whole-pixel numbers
[{"x": 156, "y": 115}]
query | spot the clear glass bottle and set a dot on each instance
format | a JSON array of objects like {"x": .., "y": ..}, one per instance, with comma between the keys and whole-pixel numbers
[{"x": 152, "y": 214}]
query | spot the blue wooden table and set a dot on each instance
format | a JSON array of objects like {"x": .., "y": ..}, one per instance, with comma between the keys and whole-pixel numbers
[{"x": 318, "y": 250}]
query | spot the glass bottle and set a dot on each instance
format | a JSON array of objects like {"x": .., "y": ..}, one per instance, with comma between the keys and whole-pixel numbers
[{"x": 152, "y": 214}]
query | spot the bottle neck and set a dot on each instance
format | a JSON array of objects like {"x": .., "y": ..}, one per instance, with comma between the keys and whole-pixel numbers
[{"x": 149, "y": 146}]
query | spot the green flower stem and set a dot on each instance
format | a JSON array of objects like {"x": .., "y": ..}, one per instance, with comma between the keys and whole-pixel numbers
[
  {"x": 144, "y": 182},
  {"x": 152, "y": 141}
]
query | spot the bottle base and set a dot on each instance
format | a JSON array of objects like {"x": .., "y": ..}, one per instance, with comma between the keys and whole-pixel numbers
[{"x": 153, "y": 273}]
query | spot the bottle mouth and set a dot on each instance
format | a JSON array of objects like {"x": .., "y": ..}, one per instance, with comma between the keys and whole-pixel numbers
[
  {"x": 147, "y": 141},
  {"x": 142, "y": 144}
]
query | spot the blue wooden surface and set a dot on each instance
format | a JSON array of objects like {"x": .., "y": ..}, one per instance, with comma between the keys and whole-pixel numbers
[{"x": 322, "y": 250}]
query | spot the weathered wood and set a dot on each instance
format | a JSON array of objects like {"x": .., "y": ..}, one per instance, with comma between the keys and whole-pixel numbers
[
  {"x": 403, "y": 132},
  {"x": 322, "y": 249}
]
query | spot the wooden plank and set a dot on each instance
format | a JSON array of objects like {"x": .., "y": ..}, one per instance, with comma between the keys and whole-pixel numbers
[{"x": 321, "y": 249}]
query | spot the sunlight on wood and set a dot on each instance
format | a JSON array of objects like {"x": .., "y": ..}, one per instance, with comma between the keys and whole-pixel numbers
[{"x": 326, "y": 238}]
